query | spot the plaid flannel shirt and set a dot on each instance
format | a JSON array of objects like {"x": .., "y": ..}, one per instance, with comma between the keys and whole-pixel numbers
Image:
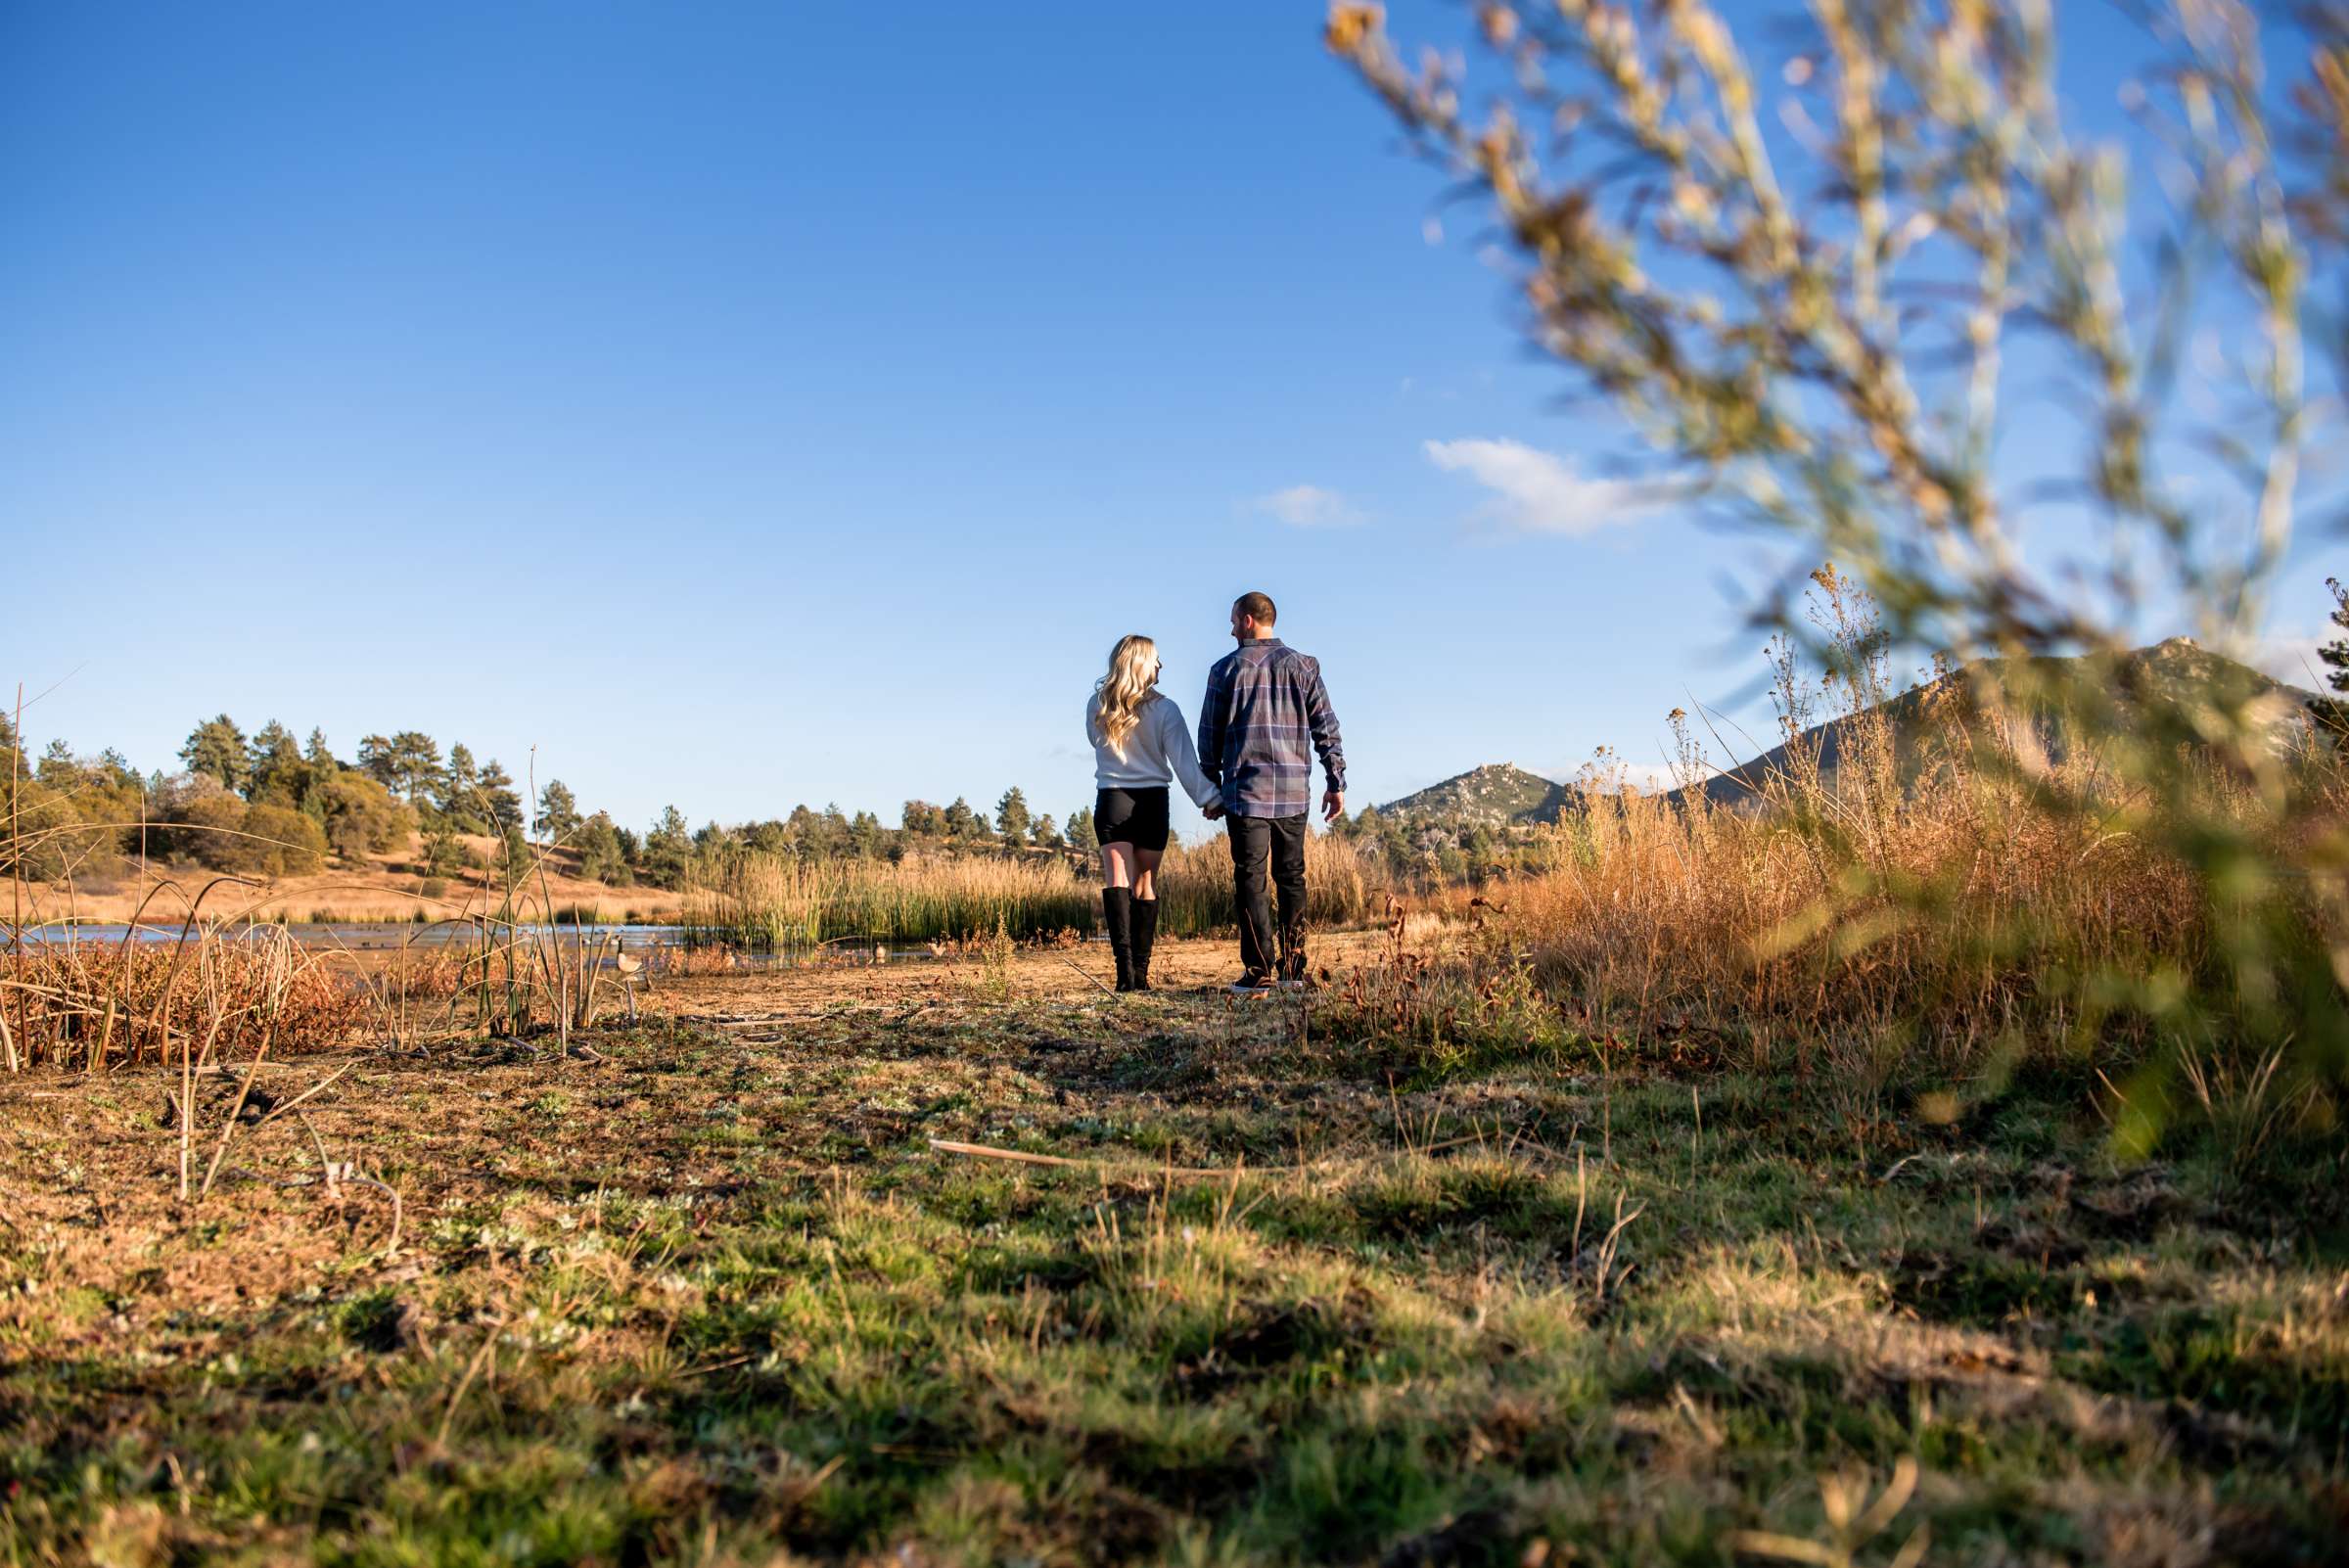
[{"x": 1264, "y": 705}]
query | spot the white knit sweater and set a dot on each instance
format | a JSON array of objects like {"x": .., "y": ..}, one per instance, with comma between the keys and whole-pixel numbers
[{"x": 1158, "y": 751}]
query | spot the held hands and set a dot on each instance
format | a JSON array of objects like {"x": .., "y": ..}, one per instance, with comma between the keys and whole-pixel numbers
[{"x": 1333, "y": 807}]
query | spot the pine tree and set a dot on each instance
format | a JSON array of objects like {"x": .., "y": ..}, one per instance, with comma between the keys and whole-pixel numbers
[
  {"x": 2333, "y": 711},
  {"x": 275, "y": 763},
  {"x": 318, "y": 755},
  {"x": 1011, "y": 818},
  {"x": 1047, "y": 832},
  {"x": 667, "y": 850},
  {"x": 444, "y": 855},
  {"x": 866, "y": 834},
  {"x": 600, "y": 857},
  {"x": 498, "y": 800},
  {"x": 459, "y": 801},
  {"x": 803, "y": 833},
  {"x": 839, "y": 841},
  {"x": 415, "y": 762},
  {"x": 514, "y": 858},
  {"x": 216, "y": 748},
  {"x": 376, "y": 761},
  {"x": 1079, "y": 830},
  {"x": 558, "y": 811}
]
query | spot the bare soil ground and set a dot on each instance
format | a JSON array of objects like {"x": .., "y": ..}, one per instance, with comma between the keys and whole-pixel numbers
[{"x": 713, "y": 1294}]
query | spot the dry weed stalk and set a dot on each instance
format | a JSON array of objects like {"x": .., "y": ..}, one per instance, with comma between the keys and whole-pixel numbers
[
  {"x": 1905, "y": 873},
  {"x": 1811, "y": 333}
]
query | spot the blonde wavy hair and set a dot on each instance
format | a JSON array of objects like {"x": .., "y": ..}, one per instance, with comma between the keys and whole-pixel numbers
[{"x": 1118, "y": 696}]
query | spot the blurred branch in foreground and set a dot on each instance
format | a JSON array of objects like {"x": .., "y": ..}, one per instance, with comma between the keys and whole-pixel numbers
[{"x": 1823, "y": 300}]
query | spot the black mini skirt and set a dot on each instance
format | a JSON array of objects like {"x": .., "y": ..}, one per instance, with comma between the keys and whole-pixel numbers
[{"x": 1131, "y": 817}]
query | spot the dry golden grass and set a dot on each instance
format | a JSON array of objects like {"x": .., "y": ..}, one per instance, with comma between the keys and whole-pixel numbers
[
  {"x": 91, "y": 1006},
  {"x": 1343, "y": 888},
  {"x": 1973, "y": 910}
]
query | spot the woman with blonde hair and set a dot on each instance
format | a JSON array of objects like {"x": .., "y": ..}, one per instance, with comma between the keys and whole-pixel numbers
[{"x": 1140, "y": 743}]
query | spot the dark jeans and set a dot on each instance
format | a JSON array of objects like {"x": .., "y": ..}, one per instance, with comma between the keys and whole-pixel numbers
[{"x": 1282, "y": 838}]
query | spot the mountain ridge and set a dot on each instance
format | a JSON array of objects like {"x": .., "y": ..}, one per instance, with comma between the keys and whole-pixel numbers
[
  {"x": 1502, "y": 794},
  {"x": 1494, "y": 793},
  {"x": 2177, "y": 663}
]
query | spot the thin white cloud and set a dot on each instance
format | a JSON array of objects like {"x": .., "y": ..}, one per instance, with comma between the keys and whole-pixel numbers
[
  {"x": 1309, "y": 506},
  {"x": 1538, "y": 492},
  {"x": 1657, "y": 779},
  {"x": 1648, "y": 778},
  {"x": 2291, "y": 656}
]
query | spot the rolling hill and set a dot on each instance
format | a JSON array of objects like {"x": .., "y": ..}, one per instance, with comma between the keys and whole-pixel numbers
[
  {"x": 2179, "y": 666},
  {"x": 1502, "y": 794},
  {"x": 1497, "y": 795}
]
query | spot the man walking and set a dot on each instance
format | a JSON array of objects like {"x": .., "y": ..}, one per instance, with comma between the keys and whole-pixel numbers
[{"x": 1264, "y": 703}]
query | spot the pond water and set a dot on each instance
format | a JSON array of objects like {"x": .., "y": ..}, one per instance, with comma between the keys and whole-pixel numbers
[
  {"x": 366, "y": 935},
  {"x": 658, "y": 945}
]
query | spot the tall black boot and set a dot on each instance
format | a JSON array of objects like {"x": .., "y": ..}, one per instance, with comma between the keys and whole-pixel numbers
[
  {"x": 1145, "y": 931},
  {"x": 1117, "y": 913}
]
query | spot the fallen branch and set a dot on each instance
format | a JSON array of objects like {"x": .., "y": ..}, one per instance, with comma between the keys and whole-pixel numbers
[
  {"x": 277, "y": 1111},
  {"x": 1072, "y": 963}
]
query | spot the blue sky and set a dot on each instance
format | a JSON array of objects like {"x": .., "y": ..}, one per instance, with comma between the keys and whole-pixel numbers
[{"x": 745, "y": 404}]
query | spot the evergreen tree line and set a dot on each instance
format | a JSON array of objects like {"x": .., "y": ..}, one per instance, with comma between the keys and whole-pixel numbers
[
  {"x": 265, "y": 803},
  {"x": 808, "y": 836},
  {"x": 1425, "y": 847}
]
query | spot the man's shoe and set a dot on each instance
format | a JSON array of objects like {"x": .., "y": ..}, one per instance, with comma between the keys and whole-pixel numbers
[{"x": 1251, "y": 983}]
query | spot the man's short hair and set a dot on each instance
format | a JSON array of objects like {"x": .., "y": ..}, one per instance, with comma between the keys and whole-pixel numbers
[{"x": 1258, "y": 606}]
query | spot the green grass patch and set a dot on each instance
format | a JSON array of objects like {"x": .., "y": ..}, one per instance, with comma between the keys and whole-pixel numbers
[{"x": 709, "y": 1299}]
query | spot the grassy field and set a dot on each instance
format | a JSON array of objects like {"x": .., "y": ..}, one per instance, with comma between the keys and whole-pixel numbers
[{"x": 1315, "y": 1292}]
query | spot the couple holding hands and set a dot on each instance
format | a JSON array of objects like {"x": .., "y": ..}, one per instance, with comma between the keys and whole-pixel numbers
[{"x": 1263, "y": 718}]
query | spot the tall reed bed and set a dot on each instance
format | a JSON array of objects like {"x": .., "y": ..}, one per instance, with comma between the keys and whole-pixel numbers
[
  {"x": 768, "y": 900},
  {"x": 765, "y": 900},
  {"x": 204, "y": 980},
  {"x": 96, "y": 1005},
  {"x": 1343, "y": 886}
]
